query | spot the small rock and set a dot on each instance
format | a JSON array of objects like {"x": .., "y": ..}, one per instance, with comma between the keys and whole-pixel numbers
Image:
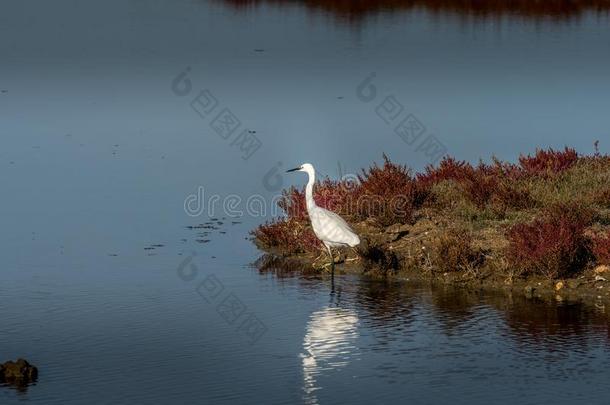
[
  {"x": 601, "y": 269},
  {"x": 396, "y": 231},
  {"x": 398, "y": 228},
  {"x": 574, "y": 283},
  {"x": 19, "y": 373},
  {"x": 559, "y": 285}
]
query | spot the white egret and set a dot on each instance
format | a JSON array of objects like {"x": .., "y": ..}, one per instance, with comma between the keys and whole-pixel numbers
[{"x": 329, "y": 227}]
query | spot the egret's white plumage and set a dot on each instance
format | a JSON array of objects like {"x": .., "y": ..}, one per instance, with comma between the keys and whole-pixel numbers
[{"x": 329, "y": 227}]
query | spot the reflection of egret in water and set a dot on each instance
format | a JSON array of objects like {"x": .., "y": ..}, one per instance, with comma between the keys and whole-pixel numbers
[{"x": 329, "y": 344}]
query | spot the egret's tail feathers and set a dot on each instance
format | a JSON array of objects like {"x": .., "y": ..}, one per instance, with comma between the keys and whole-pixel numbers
[{"x": 355, "y": 241}]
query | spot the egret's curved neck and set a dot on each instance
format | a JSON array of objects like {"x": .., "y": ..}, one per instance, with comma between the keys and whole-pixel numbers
[{"x": 309, "y": 191}]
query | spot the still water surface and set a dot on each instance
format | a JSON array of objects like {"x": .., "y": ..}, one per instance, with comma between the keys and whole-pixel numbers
[{"x": 98, "y": 285}]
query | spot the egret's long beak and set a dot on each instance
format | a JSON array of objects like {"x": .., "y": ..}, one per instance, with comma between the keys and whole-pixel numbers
[{"x": 293, "y": 170}]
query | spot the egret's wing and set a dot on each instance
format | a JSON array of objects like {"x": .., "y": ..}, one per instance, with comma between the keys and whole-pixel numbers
[
  {"x": 340, "y": 222},
  {"x": 331, "y": 227}
]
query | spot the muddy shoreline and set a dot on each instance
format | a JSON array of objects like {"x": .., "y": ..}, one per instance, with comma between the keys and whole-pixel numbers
[
  {"x": 584, "y": 289},
  {"x": 401, "y": 252}
]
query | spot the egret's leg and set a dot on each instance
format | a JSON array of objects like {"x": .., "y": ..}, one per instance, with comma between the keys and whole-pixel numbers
[{"x": 332, "y": 260}]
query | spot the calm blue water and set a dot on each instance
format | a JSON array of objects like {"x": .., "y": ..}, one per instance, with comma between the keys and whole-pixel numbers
[{"x": 102, "y": 146}]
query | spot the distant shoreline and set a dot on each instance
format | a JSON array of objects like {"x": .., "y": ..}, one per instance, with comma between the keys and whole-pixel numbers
[{"x": 356, "y": 11}]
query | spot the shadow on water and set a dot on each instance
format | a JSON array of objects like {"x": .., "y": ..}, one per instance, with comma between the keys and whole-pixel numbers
[
  {"x": 20, "y": 387},
  {"x": 357, "y": 11}
]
